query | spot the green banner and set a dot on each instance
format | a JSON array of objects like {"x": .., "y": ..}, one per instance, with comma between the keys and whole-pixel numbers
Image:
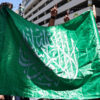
[{"x": 58, "y": 62}]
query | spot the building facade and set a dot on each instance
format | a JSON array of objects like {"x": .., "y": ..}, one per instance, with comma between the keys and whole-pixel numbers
[{"x": 38, "y": 11}]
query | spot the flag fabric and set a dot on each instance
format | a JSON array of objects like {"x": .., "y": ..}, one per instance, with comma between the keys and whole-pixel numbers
[{"x": 57, "y": 62}]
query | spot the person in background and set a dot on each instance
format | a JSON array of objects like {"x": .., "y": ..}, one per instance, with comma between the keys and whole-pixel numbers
[
  {"x": 54, "y": 12},
  {"x": 53, "y": 16}
]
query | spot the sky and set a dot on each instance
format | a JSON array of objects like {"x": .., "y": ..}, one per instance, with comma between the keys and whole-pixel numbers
[{"x": 14, "y": 2}]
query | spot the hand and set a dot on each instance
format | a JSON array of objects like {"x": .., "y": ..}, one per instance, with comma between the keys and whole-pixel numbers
[
  {"x": 94, "y": 11},
  {"x": 2, "y": 97},
  {"x": 54, "y": 11},
  {"x": 10, "y": 5},
  {"x": 66, "y": 18}
]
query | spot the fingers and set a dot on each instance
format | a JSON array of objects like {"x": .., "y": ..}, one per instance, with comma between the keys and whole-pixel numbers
[
  {"x": 55, "y": 6},
  {"x": 54, "y": 11},
  {"x": 67, "y": 13},
  {"x": 66, "y": 17}
]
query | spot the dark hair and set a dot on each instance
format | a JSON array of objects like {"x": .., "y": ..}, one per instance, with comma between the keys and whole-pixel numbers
[{"x": 9, "y": 5}]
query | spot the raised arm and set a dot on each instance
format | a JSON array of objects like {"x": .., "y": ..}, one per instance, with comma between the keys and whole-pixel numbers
[
  {"x": 53, "y": 16},
  {"x": 66, "y": 18}
]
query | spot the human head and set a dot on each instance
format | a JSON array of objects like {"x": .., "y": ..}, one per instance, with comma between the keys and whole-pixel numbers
[{"x": 9, "y": 5}]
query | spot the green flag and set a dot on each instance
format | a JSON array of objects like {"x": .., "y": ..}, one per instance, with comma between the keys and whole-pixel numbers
[{"x": 58, "y": 62}]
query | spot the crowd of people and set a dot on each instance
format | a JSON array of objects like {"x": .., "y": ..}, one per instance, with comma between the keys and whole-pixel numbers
[
  {"x": 54, "y": 12},
  {"x": 51, "y": 23}
]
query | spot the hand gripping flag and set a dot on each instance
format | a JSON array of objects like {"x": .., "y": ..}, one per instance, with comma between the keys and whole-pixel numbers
[{"x": 58, "y": 62}]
